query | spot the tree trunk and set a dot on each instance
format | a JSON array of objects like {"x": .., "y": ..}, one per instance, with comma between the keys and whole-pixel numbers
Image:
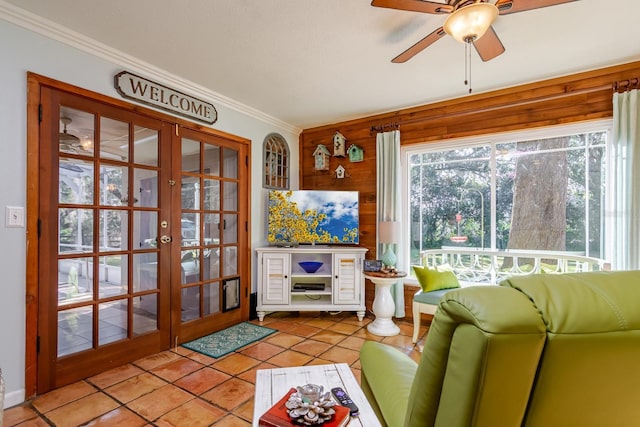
[{"x": 538, "y": 220}]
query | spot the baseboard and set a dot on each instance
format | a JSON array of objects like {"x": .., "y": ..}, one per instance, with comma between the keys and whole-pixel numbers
[
  {"x": 253, "y": 303},
  {"x": 13, "y": 398}
]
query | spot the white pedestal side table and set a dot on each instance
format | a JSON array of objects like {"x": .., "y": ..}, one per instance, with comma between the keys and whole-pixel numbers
[{"x": 383, "y": 305}]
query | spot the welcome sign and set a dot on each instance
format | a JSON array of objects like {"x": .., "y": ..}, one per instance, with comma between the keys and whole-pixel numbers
[{"x": 140, "y": 89}]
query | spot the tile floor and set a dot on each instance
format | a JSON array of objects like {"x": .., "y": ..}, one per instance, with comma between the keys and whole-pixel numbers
[{"x": 179, "y": 387}]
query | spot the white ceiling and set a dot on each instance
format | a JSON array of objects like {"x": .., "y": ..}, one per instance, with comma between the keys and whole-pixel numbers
[{"x": 314, "y": 62}]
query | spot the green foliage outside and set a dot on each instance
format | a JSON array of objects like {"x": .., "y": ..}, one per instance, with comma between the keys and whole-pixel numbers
[{"x": 458, "y": 181}]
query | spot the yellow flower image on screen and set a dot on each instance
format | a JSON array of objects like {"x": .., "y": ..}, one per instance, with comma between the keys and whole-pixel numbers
[{"x": 312, "y": 216}]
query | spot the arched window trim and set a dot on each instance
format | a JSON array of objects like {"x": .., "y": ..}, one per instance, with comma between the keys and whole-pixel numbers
[{"x": 275, "y": 162}]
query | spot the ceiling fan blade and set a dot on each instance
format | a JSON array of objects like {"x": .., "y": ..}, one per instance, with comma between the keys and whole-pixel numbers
[
  {"x": 506, "y": 7},
  {"x": 489, "y": 45},
  {"x": 414, "y": 6},
  {"x": 419, "y": 46}
]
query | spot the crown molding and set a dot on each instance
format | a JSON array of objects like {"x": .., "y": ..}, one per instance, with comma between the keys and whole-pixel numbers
[{"x": 52, "y": 30}]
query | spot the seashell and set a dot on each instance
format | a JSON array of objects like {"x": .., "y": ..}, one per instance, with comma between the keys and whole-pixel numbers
[
  {"x": 310, "y": 413},
  {"x": 294, "y": 413},
  {"x": 311, "y": 416},
  {"x": 303, "y": 410},
  {"x": 291, "y": 404}
]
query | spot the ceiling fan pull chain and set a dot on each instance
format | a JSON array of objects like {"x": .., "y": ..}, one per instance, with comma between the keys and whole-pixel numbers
[
  {"x": 467, "y": 64},
  {"x": 469, "y": 59}
]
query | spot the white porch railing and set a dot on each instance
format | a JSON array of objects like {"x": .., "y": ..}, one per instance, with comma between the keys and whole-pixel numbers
[{"x": 475, "y": 265}]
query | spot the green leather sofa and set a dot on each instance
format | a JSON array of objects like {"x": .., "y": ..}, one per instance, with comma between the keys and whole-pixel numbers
[{"x": 536, "y": 351}]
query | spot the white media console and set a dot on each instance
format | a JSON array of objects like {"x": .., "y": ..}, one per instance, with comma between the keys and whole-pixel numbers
[{"x": 283, "y": 285}]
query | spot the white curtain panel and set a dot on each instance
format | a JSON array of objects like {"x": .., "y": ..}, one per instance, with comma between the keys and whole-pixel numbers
[
  {"x": 390, "y": 198},
  {"x": 625, "y": 197}
]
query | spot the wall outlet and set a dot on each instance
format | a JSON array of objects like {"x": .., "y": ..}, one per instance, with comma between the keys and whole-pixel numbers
[{"x": 14, "y": 216}]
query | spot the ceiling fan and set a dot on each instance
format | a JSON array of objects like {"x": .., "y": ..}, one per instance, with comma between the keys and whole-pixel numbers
[
  {"x": 69, "y": 142},
  {"x": 469, "y": 21}
]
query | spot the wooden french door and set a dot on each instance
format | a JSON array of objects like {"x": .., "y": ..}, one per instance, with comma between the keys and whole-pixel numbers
[
  {"x": 143, "y": 236},
  {"x": 212, "y": 214}
]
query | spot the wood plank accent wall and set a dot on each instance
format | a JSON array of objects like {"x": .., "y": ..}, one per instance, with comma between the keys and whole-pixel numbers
[{"x": 574, "y": 98}]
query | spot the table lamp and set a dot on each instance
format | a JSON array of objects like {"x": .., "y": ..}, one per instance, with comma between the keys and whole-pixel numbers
[{"x": 389, "y": 233}]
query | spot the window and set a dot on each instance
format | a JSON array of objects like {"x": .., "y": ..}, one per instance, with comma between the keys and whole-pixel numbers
[
  {"x": 276, "y": 162},
  {"x": 534, "y": 190}
]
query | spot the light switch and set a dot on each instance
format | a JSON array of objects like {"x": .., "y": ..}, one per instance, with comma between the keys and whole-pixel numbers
[{"x": 15, "y": 216}]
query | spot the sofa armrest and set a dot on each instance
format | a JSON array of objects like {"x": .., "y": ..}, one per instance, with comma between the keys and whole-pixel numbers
[
  {"x": 387, "y": 376},
  {"x": 479, "y": 360}
]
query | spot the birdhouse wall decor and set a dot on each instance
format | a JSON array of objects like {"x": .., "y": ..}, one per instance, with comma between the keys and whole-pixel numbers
[
  {"x": 340, "y": 172},
  {"x": 356, "y": 154},
  {"x": 321, "y": 155},
  {"x": 339, "y": 145}
]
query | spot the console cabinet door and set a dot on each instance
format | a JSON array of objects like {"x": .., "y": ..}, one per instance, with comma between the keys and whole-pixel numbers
[
  {"x": 276, "y": 272},
  {"x": 347, "y": 279}
]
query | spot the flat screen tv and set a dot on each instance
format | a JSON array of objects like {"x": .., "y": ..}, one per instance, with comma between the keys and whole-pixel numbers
[{"x": 313, "y": 217}]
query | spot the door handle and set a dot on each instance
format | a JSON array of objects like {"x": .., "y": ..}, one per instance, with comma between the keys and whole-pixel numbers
[{"x": 165, "y": 239}]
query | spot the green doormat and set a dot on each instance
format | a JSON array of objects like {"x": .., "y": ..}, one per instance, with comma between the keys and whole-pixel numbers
[{"x": 227, "y": 340}]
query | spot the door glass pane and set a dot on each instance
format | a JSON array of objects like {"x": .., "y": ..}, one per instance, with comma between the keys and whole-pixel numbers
[
  {"x": 230, "y": 163},
  {"x": 75, "y": 330},
  {"x": 190, "y": 155},
  {"x": 231, "y": 294},
  {"x": 211, "y": 160},
  {"x": 145, "y": 229},
  {"x": 76, "y": 182},
  {"x": 112, "y": 321},
  {"x": 145, "y": 314},
  {"x": 211, "y": 194},
  {"x": 230, "y": 196},
  {"x": 145, "y": 188},
  {"x": 114, "y": 185},
  {"x": 76, "y": 132},
  {"x": 113, "y": 230},
  {"x": 190, "y": 303},
  {"x": 190, "y": 229},
  {"x": 114, "y": 139},
  {"x": 190, "y": 192},
  {"x": 211, "y": 298},
  {"x": 75, "y": 230},
  {"x": 230, "y": 261},
  {"x": 211, "y": 264},
  {"x": 113, "y": 272},
  {"x": 190, "y": 266},
  {"x": 145, "y": 146},
  {"x": 211, "y": 229},
  {"x": 230, "y": 229},
  {"x": 145, "y": 271},
  {"x": 74, "y": 284}
]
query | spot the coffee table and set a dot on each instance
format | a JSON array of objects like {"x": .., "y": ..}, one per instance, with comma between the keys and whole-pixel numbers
[{"x": 272, "y": 384}]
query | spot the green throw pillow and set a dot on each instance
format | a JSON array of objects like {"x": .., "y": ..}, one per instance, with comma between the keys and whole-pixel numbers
[{"x": 433, "y": 280}]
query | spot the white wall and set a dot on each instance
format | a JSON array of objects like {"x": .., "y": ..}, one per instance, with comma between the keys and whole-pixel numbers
[{"x": 23, "y": 50}]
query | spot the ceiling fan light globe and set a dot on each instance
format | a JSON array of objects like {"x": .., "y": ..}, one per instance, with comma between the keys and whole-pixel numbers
[
  {"x": 86, "y": 144},
  {"x": 470, "y": 22}
]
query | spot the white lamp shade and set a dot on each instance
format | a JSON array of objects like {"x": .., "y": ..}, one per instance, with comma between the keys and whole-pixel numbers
[
  {"x": 389, "y": 232},
  {"x": 470, "y": 22}
]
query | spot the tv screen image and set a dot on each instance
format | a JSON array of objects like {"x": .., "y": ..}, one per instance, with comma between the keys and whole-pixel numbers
[{"x": 313, "y": 216}]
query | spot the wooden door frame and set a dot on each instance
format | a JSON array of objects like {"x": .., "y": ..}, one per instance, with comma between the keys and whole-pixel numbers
[{"x": 34, "y": 84}]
